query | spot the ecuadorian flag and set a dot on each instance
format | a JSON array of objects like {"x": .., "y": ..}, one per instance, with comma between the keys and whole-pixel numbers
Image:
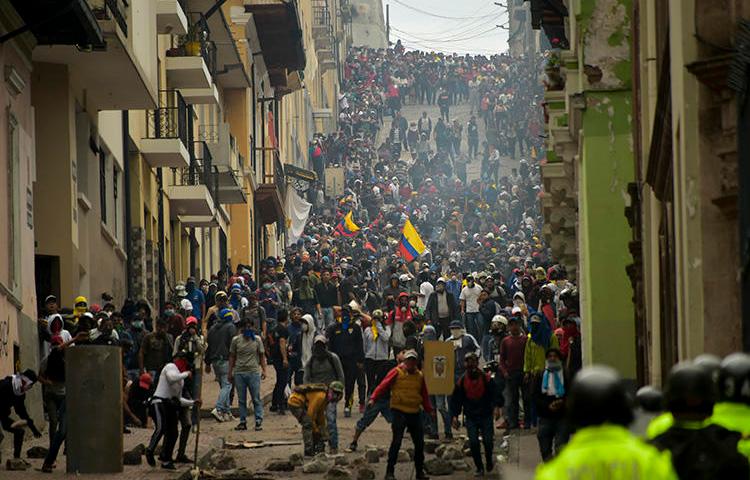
[
  {"x": 411, "y": 245},
  {"x": 347, "y": 227}
]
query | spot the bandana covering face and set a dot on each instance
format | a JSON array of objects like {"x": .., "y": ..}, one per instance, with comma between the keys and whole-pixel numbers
[{"x": 20, "y": 384}]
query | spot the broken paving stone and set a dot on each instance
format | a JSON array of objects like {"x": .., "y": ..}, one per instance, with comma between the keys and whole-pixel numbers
[
  {"x": 296, "y": 459},
  {"x": 440, "y": 449},
  {"x": 316, "y": 465},
  {"x": 438, "y": 467},
  {"x": 16, "y": 464},
  {"x": 460, "y": 466},
  {"x": 217, "y": 460},
  {"x": 403, "y": 457},
  {"x": 372, "y": 455},
  {"x": 36, "y": 452},
  {"x": 338, "y": 473},
  {"x": 452, "y": 452},
  {"x": 341, "y": 460},
  {"x": 132, "y": 458},
  {"x": 358, "y": 462},
  {"x": 430, "y": 445},
  {"x": 279, "y": 465},
  {"x": 365, "y": 473}
]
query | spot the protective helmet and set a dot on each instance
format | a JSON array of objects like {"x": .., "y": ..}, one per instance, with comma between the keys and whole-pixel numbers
[
  {"x": 734, "y": 378},
  {"x": 336, "y": 386},
  {"x": 598, "y": 396},
  {"x": 689, "y": 389},
  {"x": 498, "y": 321},
  {"x": 404, "y": 278},
  {"x": 471, "y": 354},
  {"x": 649, "y": 398}
]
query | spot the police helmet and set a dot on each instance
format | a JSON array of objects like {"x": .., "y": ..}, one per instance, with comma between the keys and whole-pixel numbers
[
  {"x": 689, "y": 389},
  {"x": 598, "y": 396},
  {"x": 734, "y": 378},
  {"x": 649, "y": 398}
]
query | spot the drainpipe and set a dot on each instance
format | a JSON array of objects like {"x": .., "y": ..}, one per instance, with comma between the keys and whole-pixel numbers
[
  {"x": 128, "y": 223},
  {"x": 160, "y": 208}
]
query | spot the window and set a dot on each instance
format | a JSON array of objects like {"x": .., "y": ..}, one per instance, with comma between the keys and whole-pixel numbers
[
  {"x": 103, "y": 184},
  {"x": 13, "y": 202}
]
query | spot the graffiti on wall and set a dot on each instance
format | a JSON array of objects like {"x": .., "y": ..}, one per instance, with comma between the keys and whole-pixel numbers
[{"x": 4, "y": 337}]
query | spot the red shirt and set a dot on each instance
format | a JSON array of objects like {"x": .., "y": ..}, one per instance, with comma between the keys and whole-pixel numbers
[{"x": 511, "y": 353}]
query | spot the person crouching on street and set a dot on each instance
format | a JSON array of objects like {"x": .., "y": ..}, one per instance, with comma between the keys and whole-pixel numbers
[
  {"x": 308, "y": 404},
  {"x": 478, "y": 396},
  {"x": 408, "y": 391}
]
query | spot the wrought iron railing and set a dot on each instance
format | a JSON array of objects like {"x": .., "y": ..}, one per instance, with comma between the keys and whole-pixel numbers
[
  {"x": 321, "y": 13},
  {"x": 111, "y": 9},
  {"x": 201, "y": 170},
  {"x": 170, "y": 119}
]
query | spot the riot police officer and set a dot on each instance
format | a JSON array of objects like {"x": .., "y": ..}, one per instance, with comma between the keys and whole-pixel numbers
[
  {"x": 700, "y": 450},
  {"x": 602, "y": 447}
]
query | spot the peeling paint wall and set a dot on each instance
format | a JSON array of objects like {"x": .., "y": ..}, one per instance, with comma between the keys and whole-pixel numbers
[
  {"x": 606, "y": 167},
  {"x": 605, "y": 35}
]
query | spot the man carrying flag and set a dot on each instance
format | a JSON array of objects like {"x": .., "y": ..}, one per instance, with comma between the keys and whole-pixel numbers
[
  {"x": 411, "y": 245},
  {"x": 347, "y": 227}
]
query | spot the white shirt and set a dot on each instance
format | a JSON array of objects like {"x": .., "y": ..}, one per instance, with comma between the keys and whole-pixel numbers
[
  {"x": 425, "y": 290},
  {"x": 470, "y": 296},
  {"x": 170, "y": 384}
]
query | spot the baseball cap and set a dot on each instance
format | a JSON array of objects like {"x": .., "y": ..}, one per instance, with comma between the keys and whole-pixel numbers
[
  {"x": 441, "y": 280},
  {"x": 535, "y": 318},
  {"x": 191, "y": 320},
  {"x": 50, "y": 298},
  {"x": 145, "y": 380},
  {"x": 410, "y": 354},
  {"x": 456, "y": 324},
  {"x": 220, "y": 294}
]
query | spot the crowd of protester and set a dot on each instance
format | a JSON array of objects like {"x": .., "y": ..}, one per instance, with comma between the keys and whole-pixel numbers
[{"x": 342, "y": 314}]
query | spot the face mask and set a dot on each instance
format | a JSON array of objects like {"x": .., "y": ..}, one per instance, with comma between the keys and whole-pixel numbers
[
  {"x": 267, "y": 286},
  {"x": 319, "y": 350},
  {"x": 247, "y": 333},
  {"x": 169, "y": 312},
  {"x": 138, "y": 324},
  {"x": 553, "y": 365}
]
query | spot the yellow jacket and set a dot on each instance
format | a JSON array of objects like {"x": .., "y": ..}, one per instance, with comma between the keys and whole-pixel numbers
[{"x": 316, "y": 402}]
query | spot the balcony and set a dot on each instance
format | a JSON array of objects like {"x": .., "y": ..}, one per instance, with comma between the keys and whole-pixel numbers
[
  {"x": 192, "y": 64},
  {"x": 171, "y": 17},
  {"x": 101, "y": 58},
  {"x": 322, "y": 29},
  {"x": 271, "y": 192},
  {"x": 280, "y": 36},
  {"x": 227, "y": 161},
  {"x": 193, "y": 190},
  {"x": 76, "y": 25},
  {"x": 166, "y": 139}
]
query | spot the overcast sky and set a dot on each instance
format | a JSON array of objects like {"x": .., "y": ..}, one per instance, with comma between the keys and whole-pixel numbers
[{"x": 462, "y": 26}]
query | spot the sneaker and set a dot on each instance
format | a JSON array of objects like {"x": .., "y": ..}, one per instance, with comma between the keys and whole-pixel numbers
[
  {"x": 352, "y": 447},
  {"x": 150, "y": 458},
  {"x": 47, "y": 468},
  {"x": 182, "y": 458},
  {"x": 258, "y": 426},
  {"x": 228, "y": 416},
  {"x": 274, "y": 408},
  {"x": 347, "y": 412},
  {"x": 217, "y": 415},
  {"x": 241, "y": 426},
  {"x": 479, "y": 472},
  {"x": 168, "y": 466}
]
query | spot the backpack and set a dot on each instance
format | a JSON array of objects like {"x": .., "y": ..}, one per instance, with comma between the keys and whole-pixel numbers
[
  {"x": 330, "y": 362},
  {"x": 310, "y": 387}
]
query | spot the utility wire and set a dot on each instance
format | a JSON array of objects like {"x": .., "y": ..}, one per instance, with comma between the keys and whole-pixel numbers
[{"x": 430, "y": 14}]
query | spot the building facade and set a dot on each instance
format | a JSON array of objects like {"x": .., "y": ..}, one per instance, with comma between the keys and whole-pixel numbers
[
  {"x": 147, "y": 141},
  {"x": 589, "y": 166}
]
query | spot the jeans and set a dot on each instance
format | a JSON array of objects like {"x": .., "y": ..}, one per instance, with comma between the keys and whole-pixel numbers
[
  {"x": 351, "y": 373},
  {"x": 440, "y": 403},
  {"x": 282, "y": 380},
  {"x": 60, "y": 433},
  {"x": 514, "y": 385},
  {"x": 52, "y": 402},
  {"x": 221, "y": 370},
  {"x": 473, "y": 324},
  {"x": 333, "y": 431},
  {"x": 475, "y": 426},
  {"x": 245, "y": 381},
  {"x": 401, "y": 422},
  {"x": 551, "y": 430},
  {"x": 324, "y": 319},
  {"x": 371, "y": 413},
  {"x": 485, "y": 346}
]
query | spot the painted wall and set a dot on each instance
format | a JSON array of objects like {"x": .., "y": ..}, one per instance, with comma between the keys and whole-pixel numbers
[{"x": 605, "y": 169}]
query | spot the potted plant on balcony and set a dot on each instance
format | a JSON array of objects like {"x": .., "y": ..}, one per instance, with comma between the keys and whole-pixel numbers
[
  {"x": 555, "y": 80},
  {"x": 191, "y": 42}
]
